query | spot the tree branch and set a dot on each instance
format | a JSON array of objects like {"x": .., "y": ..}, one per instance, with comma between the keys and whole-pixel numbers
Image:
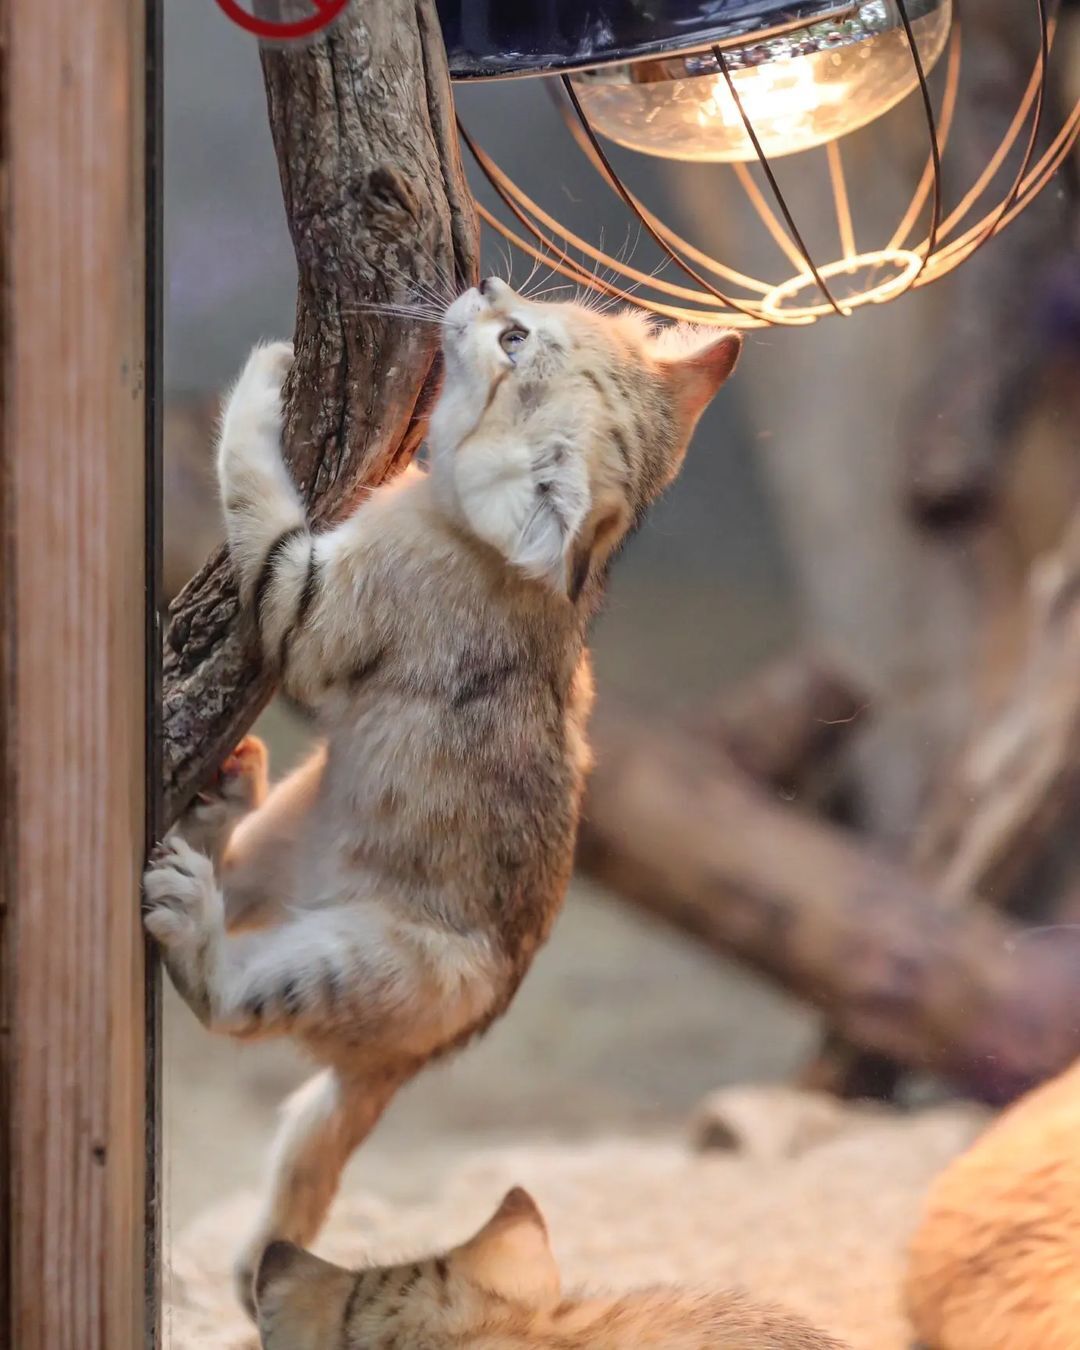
[{"x": 362, "y": 121}]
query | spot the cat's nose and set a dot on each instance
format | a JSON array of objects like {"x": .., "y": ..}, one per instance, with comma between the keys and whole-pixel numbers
[{"x": 491, "y": 288}]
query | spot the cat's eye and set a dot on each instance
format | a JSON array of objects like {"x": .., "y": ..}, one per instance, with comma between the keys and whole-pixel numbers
[{"x": 512, "y": 339}]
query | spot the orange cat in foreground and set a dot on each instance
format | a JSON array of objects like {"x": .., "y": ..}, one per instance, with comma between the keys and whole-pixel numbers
[{"x": 995, "y": 1263}]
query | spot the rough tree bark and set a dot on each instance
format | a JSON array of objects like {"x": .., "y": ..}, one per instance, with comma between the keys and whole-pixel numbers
[
  {"x": 672, "y": 825},
  {"x": 362, "y": 121}
]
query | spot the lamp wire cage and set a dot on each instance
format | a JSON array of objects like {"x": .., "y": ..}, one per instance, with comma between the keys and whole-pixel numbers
[{"x": 928, "y": 242}]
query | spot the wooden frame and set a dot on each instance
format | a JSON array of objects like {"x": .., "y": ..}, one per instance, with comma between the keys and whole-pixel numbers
[{"x": 78, "y": 661}]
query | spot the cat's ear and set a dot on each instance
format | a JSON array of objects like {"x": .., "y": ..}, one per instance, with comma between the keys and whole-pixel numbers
[
  {"x": 300, "y": 1300},
  {"x": 595, "y": 544},
  {"x": 511, "y": 1255},
  {"x": 698, "y": 376}
]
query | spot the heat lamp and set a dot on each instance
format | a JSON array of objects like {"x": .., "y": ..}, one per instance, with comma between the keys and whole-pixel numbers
[{"x": 743, "y": 85}]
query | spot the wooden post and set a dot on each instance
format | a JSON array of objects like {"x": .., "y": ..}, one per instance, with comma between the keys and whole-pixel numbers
[{"x": 75, "y": 599}]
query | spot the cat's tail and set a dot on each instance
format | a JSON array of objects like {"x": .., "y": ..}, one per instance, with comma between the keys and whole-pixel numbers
[{"x": 321, "y": 1125}]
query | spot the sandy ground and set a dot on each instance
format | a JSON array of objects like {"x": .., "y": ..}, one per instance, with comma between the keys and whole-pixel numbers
[
  {"x": 583, "y": 1092},
  {"x": 813, "y": 1207},
  {"x": 620, "y": 1027}
]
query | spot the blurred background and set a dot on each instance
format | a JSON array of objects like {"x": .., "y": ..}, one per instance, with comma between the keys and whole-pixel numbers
[{"x": 849, "y": 547}]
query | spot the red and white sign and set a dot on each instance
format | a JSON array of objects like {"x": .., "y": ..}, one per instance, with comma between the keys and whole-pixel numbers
[{"x": 323, "y": 12}]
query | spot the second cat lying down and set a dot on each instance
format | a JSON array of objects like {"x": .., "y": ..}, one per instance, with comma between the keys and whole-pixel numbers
[{"x": 499, "y": 1291}]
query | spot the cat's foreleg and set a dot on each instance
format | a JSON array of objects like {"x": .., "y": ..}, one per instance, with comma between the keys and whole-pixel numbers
[
  {"x": 269, "y": 541},
  {"x": 184, "y": 911},
  {"x": 322, "y": 1124}
]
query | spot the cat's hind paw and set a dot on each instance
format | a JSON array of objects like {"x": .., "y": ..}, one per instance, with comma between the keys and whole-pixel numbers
[
  {"x": 238, "y": 787},
  {"x": 183, "y": 904}
]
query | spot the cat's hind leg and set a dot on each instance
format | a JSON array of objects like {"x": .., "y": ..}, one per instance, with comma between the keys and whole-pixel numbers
[
  {"x": 321, "y": 1125},
  {"x": 239, "y": 787}
]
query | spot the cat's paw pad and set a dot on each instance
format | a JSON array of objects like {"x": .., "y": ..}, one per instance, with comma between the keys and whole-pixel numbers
[{"x": 183, "y": 904}]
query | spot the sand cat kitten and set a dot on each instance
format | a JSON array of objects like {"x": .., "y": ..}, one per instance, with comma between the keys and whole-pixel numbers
[
  {"x": 499, "y": 1291},
  {"x": 402, "y": 880}
]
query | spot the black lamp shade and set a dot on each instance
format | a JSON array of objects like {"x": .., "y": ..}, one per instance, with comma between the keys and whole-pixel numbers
[{"x": 536, "y": 37}]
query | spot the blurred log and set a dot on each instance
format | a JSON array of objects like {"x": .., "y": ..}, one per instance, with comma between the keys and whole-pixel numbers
[
  {"x": 676, "y": 828},
  {"x": 1019, "y": 776},
  {"x": 1001, "y": 825},
  {"x": 363, "y": 126},
  {"x": 784, "y": 725},
  {"x": 967, "y": 455},
  {"x": 846, "y": 1071}
]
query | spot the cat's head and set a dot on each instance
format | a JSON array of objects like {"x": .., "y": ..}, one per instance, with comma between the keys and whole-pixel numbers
[
  {"x": 558, "y": 425},
  {"x": 506, "y": 1270}
]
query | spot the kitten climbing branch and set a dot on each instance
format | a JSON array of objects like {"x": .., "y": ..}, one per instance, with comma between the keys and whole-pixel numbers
[{"x": 375, "y": 195}]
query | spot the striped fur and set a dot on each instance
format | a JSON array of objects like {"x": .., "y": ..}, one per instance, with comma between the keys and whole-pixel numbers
[
  {"x": 382, "y": 904},
  {"x": 499, "y": 1291}
]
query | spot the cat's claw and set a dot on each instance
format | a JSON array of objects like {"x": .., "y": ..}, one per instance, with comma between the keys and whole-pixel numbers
[{"x": 183, "y": 905}]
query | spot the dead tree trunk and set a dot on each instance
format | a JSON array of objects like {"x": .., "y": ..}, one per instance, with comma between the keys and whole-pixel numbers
[{"x": 375, "y": 194}]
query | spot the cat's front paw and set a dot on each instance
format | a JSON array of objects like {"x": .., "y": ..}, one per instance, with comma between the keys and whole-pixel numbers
[
  {"x": 255, "y": 402},
  {"x": 183, "y": 907}
]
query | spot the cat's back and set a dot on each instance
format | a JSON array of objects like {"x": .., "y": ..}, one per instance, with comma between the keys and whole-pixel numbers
[
  {"x": 680, "y": 1319},
  {"x": 456, "y": 752}
]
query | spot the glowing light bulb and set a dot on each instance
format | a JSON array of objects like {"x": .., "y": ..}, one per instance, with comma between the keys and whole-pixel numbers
[{"x": 799, "y": 90}]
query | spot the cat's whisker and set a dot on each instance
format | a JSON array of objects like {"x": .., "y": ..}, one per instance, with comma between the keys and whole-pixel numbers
[
  {"x": 523, "y": 288},
  {"x": 438, "y": 294},
  {"x": 549, "y": 290},
  {"x": 551, "y": 270},
  {"x": 634, "y": 287},
  {"x": 413, "y": 311},
  {"x": 416, "y": 298},
  {"x": 398, "y": 312},
  {"x": 504, "y": 250},
  {"x": 413, "y": 285},
  {"x": 418, "y": 292}
]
